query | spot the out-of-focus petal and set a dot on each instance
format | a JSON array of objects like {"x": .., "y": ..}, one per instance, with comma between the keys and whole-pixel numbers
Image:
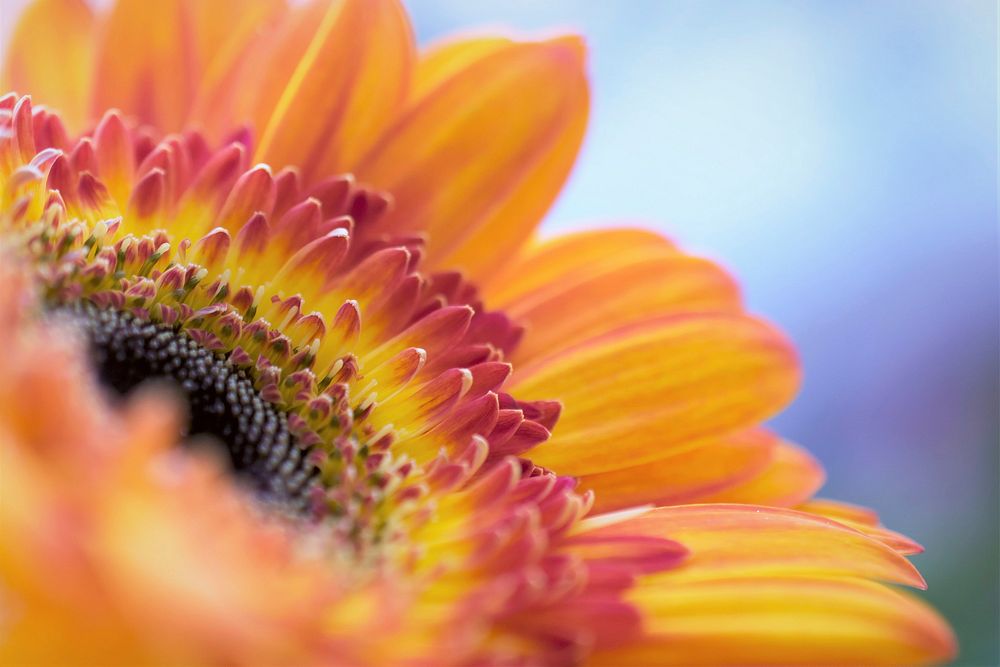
[
  {"x": 447, "y": 58},
  {"x": 478, "y": 159},
  {"x": 50, "y": 56},
  {"x": 636, "y": 395},
  {"x": 601, "y": 286},
  {"x": 356, "y": 63},
  {"x": 793, "y": 476},
  {"x": 147, "y": 63},
  {"x": 572, "y": 256},
  {"x": 684, "y": 476},
  {"x": 783, "y": 621}
]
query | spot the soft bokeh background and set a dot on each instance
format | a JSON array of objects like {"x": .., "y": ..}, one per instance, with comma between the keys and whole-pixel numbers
[{"x": 841, "y": 158}]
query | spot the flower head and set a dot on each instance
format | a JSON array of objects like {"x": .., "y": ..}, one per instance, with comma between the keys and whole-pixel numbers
[{"x": 385, "y": 425}]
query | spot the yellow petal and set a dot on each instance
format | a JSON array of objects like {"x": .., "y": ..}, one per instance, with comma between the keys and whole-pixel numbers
[
  {"x": 644, "y": 392},
  {"x": 445, "y": 59},
  {"x": 478, "y": 159},
  {"x": 350, "y": 79},
  {"x": 728, "y": 540},
  {"x": 685, "y": 476},
  {"x": 604, "y": 284},
  {"x": 50, "y": 56},
  {"x": 783, "y": 621},
  {"x": 571, "y": 255},
  {"x": 792, "y": 477},
  {"x": 147, "y": 62}
]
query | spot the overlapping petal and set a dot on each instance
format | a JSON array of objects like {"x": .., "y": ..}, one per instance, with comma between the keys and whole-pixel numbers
[
  {"x": 638, "y": 394},
  {"x": 583, "y": 285},
  {"x": 476, "y": 160},
  {"x": 50, "y": 55},
  {"x": 783, "y": 621},
  {"x": 397, "y": 385},
  {"x": 765, "y": 586}
]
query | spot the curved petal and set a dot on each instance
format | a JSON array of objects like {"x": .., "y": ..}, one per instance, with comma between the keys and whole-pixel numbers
[
  {"x": 354, "y": 65},
  {"x": 147, "y": 62},
  {"x": 863, "y": 520},
  {"x": 685, "y": 476},
  {"x": 728, "y": 540},
  {"x": 792, "y": 477},
  {"x": 640, "y": 393},
  {"x": 783, "y": 621},
  {"x": 603, "y": 284},
  {"x": 447, "y": 58},
  {"x": 571, "y": 256},
  {"x": 478, "y": 159},
  {"x": 50, "y": 56}
]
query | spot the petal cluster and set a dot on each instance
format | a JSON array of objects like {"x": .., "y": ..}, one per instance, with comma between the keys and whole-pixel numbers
[{"x": 525, "y": 452}]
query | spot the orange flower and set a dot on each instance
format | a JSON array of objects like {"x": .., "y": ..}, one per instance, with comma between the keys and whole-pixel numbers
[{"x": 442, "y": 441}]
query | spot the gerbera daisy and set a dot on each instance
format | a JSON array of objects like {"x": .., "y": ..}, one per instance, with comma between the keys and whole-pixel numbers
[{"x": 289, "y": 380}]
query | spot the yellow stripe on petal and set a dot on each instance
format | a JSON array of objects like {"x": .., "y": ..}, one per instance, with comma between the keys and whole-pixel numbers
[
  {"x": 793, "y": 476},
  {"x": 749, "y": 540},
  {"x": 782, "y": 621},
  {"x": 641, "y": 393},
  {"x": 480, "y": 157},
  {"x": 585, "y": 305},
  {"x": 571, "y": 256},
  {"x": 685, "y": 476},
  {"x": 50, "y": 56},
  {"x": 351, "y": 79},
  {"x": 448, "y": 58},
  {"x": 147, "y": 62}
]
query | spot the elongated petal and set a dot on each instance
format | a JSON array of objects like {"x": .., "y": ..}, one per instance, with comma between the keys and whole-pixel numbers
[
  {"x": 792, "y": 477},
  {"x": 684, "y": 476},
  {"x": 50, "y": 56},
  {"x": 351, "y": 78},
  {"x": 224, "y": 29},
  {"x": 445, "y": 59},
  {"x": 478, "y": 159},
  {"x": 571, "y": 255},
  {"x": 728, "y": 540},
  {"x": 587, "y": 301},
  {"x": 147, "y": 62},
  {"x": 644, "y": 392},
  {"x": 861, "y": 519},
  {"x": 783, "y": 621}
]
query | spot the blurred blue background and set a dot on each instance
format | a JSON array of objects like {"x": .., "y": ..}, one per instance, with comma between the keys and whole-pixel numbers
[{"x": 841, "y": 158}]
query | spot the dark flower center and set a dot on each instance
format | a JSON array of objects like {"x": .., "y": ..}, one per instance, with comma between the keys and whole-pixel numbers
[{"x": 222, "y": 399}]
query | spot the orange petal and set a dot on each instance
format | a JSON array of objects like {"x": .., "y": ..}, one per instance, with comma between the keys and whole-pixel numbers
[
  {"x": 749, "y": 540},
  {"x": 783, "y": 621},
  {"x": 479, "y": 158},
  {"x": 592, "y": 296},
  {"x": 146, "y": 62},
  {"x": 225, "y": 29},
  {"x": 443, "y": 60},
  {"x": 50, "y": 56},
  {"x": 861, "y": 519},
  {"x": 646, "y": 391},
  {"x": 571, "y": 255},
  {"x": 793, "y": 476},
  {"x": 683, "y": 477},
  {"x": 350, "y": 80}
]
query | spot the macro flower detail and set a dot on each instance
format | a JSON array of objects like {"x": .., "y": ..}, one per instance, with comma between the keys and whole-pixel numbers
[{"x": 290, "y": 380}]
